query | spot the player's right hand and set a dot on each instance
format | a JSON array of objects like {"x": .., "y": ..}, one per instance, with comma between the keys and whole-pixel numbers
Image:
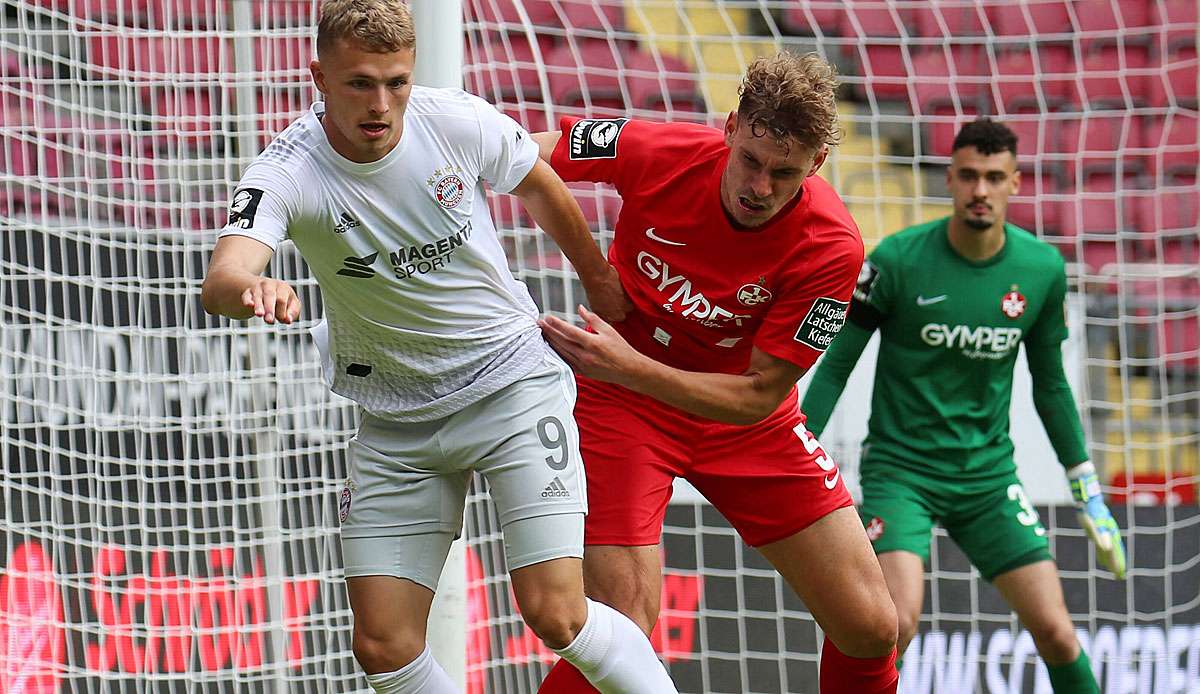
[
  {"x": 1096, "y": 519},
  {"x": 272, "y": 300}
]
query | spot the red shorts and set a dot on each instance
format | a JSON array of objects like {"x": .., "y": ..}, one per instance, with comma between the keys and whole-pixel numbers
[{"x": 766, "y": 479}]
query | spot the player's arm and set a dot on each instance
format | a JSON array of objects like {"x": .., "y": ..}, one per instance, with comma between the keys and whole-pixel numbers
[
  {"x": 1055, "y": 405},
  {"x": 871, "y": 291},
  {"x": 551, "y": 205},
  {"x": 234, "y": 286},
  {"x": 743, "y": 398},
  {"x": 546, "y": 143},
  {"x": 832, "y": 373}
]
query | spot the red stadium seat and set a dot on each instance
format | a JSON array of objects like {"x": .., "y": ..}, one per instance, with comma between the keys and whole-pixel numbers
[
  {"x": 1174, "y": 82},
  {"x": 883, "y": 63},
  {"x": 135, "y": 56},
  {"x": 813, "y": 17},
  {"x": 949, "y": 18},
  {"x": 669, "y": 87},
  {"x": 539, "y": 12},
  {"x": 1116, "y": 76},
  {"x": 1172, "y": 145},
  {"x": 1036, "y": 207},
  {"x": 585, "y": 78},
  {"x": 1102, "y": 21},
  {"x": 1103, "y": 206},
  {"x": 600, "y": 16},
  {"x": 600, "y": 205},
  {"x": 284, "y": 56},
  {"x": 1099, "y": 141},
  {"x": 530, "y": 115},
  {"x": 1177, "y": 20},
  {"x": 1032, "y": 18},
  {"x": 279, "y": 14},
  {"x": 506, "y": 68},
  {"x": 1178, "y": 339},
  {"x": 1019, "y": 84},
  {"x": 956, "y": 76},
  {"x": 1169, "y": 209}
]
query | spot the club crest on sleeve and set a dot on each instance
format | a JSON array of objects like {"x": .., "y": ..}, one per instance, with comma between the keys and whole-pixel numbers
[
  {"x": 596, "y": 138},
  {"x": 866, "y": 280},
  {"x": 1013, "y": 304},
  {"x": 823, "y": 322},
  {"x": 243, "y": 207}
]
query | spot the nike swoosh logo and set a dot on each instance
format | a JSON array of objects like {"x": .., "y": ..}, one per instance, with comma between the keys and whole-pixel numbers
[
  {"x": 650, "y": 234},
  {"x": 922, "y": 301},
  {"x": 832, "y": 480}
]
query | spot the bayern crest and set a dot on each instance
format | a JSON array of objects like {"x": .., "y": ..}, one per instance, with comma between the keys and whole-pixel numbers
[
  {"x": 753, "y": 295},
  {"x": 449, "y": 191},
  {"x": 1013, "y": 304}
]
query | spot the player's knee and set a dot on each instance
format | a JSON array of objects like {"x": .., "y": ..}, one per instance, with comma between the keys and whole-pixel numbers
[
  {"x": 556, "y": 619},
  {"x": 1056, "y": 642},
  {"x": 872, "y": 635},
  {"x": 386, "y": 651},
  {"x": 906, "y": 629}
]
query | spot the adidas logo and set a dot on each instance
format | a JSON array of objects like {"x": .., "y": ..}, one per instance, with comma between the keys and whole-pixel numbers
[
  {"x": 346, "y": 224},
  {"x": 556, "y": 489},
  {"x": 359, "y": 267}
]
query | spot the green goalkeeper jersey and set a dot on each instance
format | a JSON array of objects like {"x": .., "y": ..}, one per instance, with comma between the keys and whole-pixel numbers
[{"x": 950, "y": 331}]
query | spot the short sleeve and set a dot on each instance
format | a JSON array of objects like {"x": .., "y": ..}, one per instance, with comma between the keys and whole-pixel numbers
[
  {"x": 263, "y": 204},
  {"x": 1051, "y": 324},
  {"x": 601, "y": 150},
  {"x": 509, "y": 153},
  {"x": 803, "y": 321}
]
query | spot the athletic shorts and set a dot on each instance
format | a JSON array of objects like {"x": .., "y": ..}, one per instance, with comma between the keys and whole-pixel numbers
[
  {"x": 770, "y": 479},
  {"x": 403, "y": 503},
  {"x": 993, "y": 521}
]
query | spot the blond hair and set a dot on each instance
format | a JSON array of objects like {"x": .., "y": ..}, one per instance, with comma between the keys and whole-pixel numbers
[
  {"x": 791, "y": 95},
  {"x": 378, "y": 26}
]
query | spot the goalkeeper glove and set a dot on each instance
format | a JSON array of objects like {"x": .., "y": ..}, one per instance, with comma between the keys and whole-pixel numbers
[{"x": 1096, "y": 519}]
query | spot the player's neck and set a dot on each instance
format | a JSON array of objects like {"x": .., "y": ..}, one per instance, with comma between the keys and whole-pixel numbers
[{"x": 973, "y": 244}]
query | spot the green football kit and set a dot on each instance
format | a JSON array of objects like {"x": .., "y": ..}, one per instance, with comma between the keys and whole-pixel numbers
[{"x": 937, "y": 448}]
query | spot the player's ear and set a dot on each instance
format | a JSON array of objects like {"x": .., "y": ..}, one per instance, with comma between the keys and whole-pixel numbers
[
  {"x": 731, "y": 126},
  {"x": 318, "y": 75},
  {"x": 1016, "y": 183},
  {"x": 819, "y": 160}
]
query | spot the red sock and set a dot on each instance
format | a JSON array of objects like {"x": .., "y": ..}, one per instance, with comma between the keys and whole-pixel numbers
[
  {"x": 565, "y": 679},
  {"x": 841, "y": 674}
]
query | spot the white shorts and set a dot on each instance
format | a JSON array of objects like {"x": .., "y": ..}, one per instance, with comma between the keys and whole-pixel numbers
[{"x": 403, "y": 503}]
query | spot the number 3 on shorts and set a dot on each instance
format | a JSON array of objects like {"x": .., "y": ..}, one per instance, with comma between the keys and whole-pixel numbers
[
  {"x": 1028, "y": 515},
  {"x": 554, "y": 437}
]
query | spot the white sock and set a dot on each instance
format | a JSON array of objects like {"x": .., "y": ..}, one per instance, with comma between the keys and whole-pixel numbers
[
  {"x": 421, "y": 676},
  {"x": 615, "y": 656}
]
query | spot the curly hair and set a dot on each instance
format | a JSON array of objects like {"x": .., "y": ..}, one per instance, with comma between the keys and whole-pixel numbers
[
  {"x": 791, "y": 95},
  {"x": 379, "y": 26}
]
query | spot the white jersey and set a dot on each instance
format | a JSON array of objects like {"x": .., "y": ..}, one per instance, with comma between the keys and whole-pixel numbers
[{"x": 424, "y": 316}]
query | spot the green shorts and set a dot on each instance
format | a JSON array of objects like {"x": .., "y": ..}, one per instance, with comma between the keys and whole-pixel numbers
[{"x": 993, "y": 521}]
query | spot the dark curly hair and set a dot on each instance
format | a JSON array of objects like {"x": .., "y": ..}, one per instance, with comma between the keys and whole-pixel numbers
[
  {"x": 987, "y": 136},
  {"x": 791, "y": 95}
]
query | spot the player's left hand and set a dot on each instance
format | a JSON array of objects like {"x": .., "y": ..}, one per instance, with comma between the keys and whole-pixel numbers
[
  {"x": 606, "y": 295},
  {"x": 603, "y": 354},
  {"x": 1096, "y": 519}
]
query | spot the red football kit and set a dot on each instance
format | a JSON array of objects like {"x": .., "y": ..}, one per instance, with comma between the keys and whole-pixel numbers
[{"x": 705, "y": 293}]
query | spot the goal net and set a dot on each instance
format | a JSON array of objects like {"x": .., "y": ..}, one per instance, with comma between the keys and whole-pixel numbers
[{"x": 170, "y": 483}]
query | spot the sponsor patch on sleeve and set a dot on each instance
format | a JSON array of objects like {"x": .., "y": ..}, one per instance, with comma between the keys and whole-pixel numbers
[
  {"x": 866, "y": 281},
  {"x": 244, "y": 206},
  {"x": 596, "y": 138},
  {"x": 823, "y": 322}
]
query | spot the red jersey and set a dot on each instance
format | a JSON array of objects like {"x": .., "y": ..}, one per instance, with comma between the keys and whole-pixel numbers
[{"x": 706, "y": 292}]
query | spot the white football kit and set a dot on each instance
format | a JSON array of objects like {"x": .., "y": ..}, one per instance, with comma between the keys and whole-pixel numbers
[{"x": 425, "y": 322}]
